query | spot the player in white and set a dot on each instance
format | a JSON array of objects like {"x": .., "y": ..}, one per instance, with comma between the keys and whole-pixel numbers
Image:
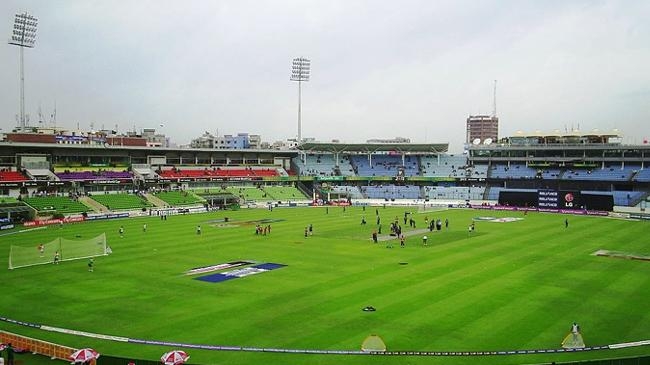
[
  {"x": 574, "y": 339},
  {"x": 575, "y": 329}
]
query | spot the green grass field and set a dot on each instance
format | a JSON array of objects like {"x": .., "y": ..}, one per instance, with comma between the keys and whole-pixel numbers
[
  {"x": 58, "y": 204},
  {"x": 178, "y": 198},
  {"x": 510, "y": 286},
  {"x": 121, "y": 201}
]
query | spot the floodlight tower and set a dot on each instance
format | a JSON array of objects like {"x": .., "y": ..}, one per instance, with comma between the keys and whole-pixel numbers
[
  {"x": 300, "y": 72},
  {"x": 23, "y": 35}
]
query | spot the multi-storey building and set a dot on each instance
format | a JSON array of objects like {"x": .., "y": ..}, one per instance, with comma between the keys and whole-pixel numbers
[{"x": 482, "y": 127}]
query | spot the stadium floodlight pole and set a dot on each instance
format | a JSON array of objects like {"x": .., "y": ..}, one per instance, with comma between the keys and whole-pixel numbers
[
  {"x": 23, "y": 35},
  {"x": 300, "y": 69}
]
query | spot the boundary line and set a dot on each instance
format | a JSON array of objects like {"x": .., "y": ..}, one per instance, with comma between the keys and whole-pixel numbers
[{"x": 321, "y": 352}]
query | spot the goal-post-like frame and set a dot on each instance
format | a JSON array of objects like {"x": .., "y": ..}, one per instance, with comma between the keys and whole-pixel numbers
[{"x": 21, "y": 256}]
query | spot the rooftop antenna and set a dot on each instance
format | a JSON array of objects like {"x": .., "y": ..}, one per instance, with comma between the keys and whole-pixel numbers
[
  {"x": 53, "y": 116},
  {"x": 40, "y": 116},
  {"x": 494, "y": 100}
]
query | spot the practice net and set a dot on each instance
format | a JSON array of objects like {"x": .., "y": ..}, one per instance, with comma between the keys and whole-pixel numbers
[
  {"x": 20, "y": 256},
  {"x": 426, "y": 208}
]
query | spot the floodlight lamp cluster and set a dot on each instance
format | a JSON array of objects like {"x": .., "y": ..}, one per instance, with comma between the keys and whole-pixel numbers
[
  {"x": 300, "y": 69},
  {"x": 24, "y": 32}
]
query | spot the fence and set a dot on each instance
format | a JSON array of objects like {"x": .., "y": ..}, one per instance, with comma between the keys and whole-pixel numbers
[{"x": 52, "y": 350}]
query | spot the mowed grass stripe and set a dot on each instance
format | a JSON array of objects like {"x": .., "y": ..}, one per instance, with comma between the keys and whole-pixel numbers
[
  {"x": 379, "y": 279},
  {"x": 398, "y": 296},
  {"x": 509, "y": 284},
  {"x": 455, "y": 295}
]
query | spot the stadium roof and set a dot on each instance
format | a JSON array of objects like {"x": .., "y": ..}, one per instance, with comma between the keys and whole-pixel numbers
[
  {"x": 572, "y": 133},
  {"x": 15, "y": 209},
  {"x": 374, "y": 147}
]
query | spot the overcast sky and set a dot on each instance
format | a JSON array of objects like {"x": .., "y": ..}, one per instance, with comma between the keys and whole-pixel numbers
[{"x": 380, "y": 69}]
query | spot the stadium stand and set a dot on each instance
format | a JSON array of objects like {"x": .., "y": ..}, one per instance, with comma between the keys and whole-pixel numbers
[
  {"x": 76, "y": 176},
  {"x": 121, "y": 201},
  {"x": 454, "y": 192},
  {"x": 608, "y": 173},
  {"x": 94, "y": 175},
  {"x": 345, "y": 167},
  {"x": 247, "y": 172},
  {"x": 284, "y": 193},
  {"x": 548, "y": 173},
  {"x": 210, "y": 190},
  {"x": 627, "y": 198},
  {"x": 514, "y": 171},
  {"x": 521, "y": 171},
  {"x": 351, "y": 191},
  {"x": 56, "y": 204},
  {"x": 444, "y": 166},
  {"x": 12, "y": 176},
  {"x": 323, "y": 165},
  {"x": 478, "y": 172},
  {"x": 249, "y": 193},
  {"x": 179, "y": 198},
  {"x": 642, "y": 175},
  {"x": 384, "y": 165},
  {"x": 391, "y": 191},
  {"x": 316, "y": 165},
  {"x": 116, "y": 175},
  {"x": 178, "y": 173},
  {"x": 173, "y": 173}
]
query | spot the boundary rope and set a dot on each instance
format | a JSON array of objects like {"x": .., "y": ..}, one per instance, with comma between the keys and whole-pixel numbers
[{"x": 321, "y": 352}]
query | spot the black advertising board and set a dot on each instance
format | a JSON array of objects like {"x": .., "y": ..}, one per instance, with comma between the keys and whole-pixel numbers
[{"x": 563, "y": 199}]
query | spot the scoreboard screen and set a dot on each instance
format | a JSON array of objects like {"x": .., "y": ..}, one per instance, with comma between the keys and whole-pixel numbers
[
  {"x": 563, "y": 199},
  {"x": 569, "y": 200}
]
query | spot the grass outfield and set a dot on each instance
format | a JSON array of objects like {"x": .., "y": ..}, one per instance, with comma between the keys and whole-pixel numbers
[{"x": 510, "y": 286}]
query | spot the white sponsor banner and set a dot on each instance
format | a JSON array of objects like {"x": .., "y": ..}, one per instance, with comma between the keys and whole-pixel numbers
[
  {"x": 629, "y": 344},
  {"x": 85, "y": 334}
]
